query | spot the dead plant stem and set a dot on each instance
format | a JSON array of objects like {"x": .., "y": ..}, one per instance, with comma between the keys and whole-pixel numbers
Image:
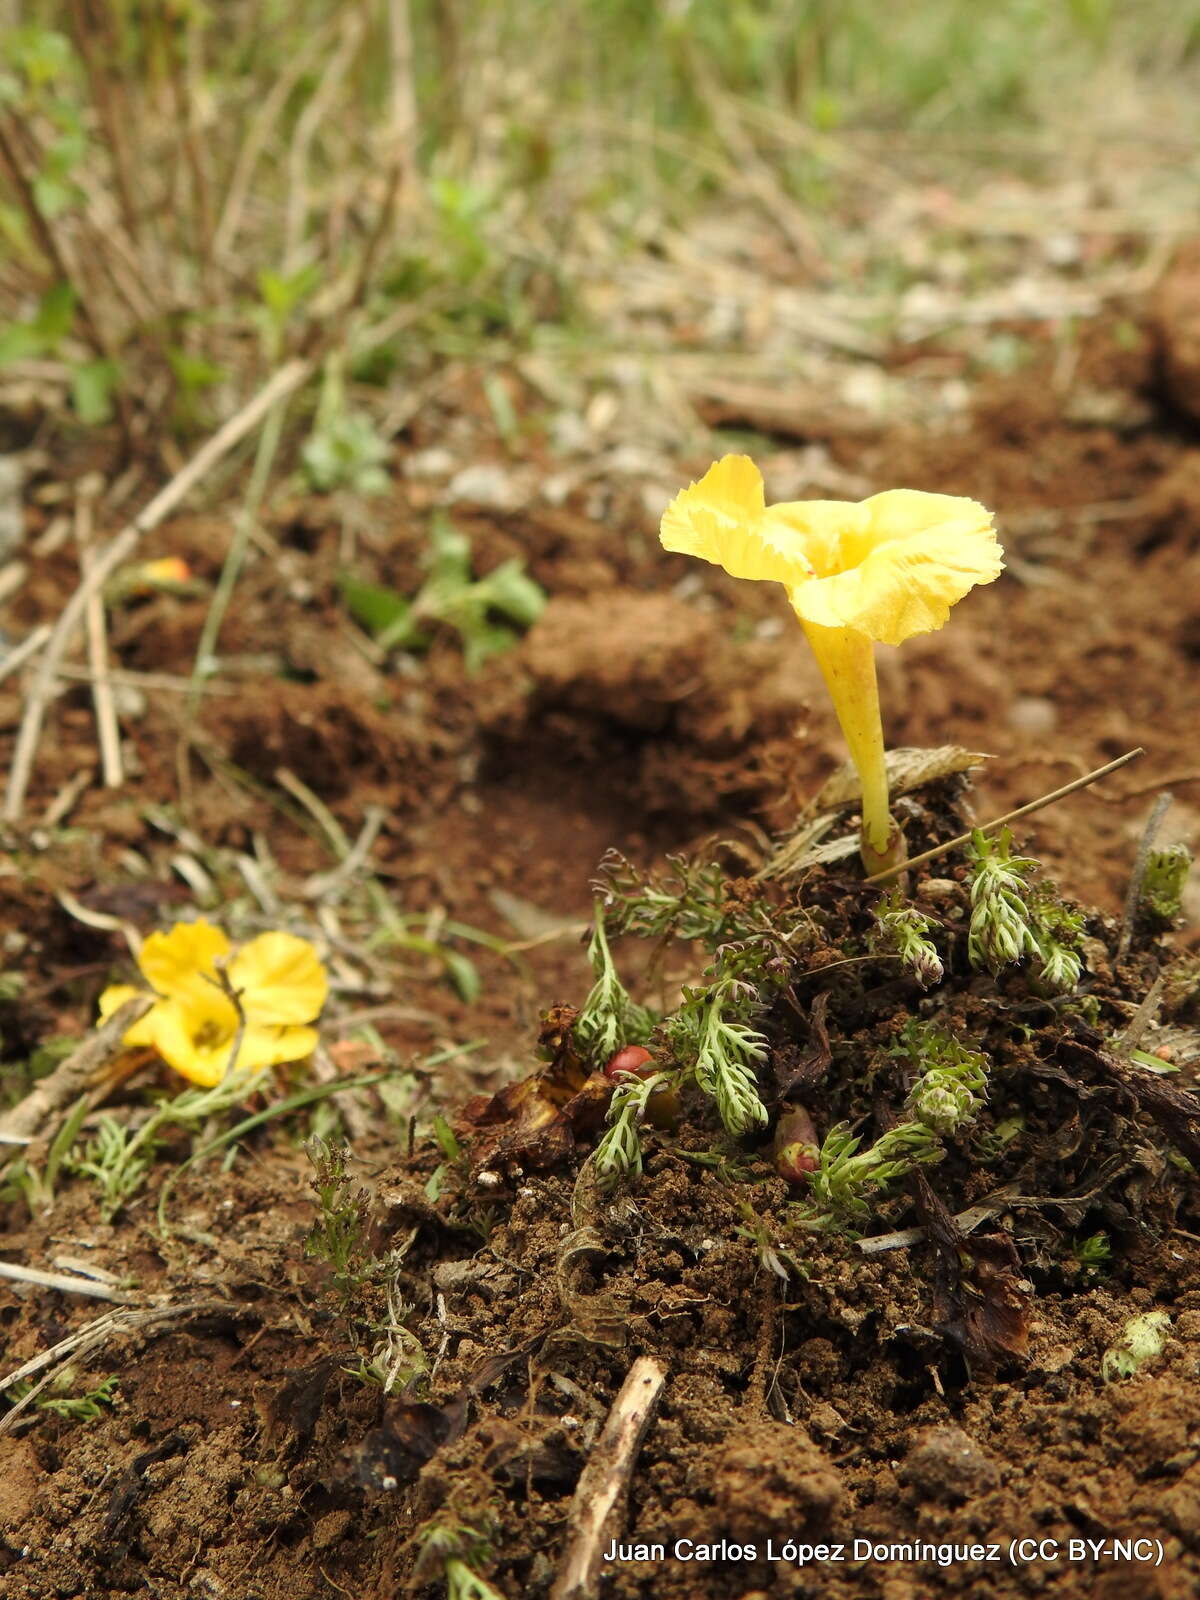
[
  {"x": 20, "y": 654},
  {"x": 604, "y": 1481},
  {"x": 255, "y": 142},
  {"x": 264, "y": 460},
  {"x": 289, "y": 378},
  {"x": 107, "y": 727},
  {"x": 309, "y": 120}
]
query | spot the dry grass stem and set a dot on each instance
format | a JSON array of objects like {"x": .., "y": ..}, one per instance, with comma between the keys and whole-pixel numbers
[
  {"x": 258, "y": 136},
  {"x": 405, "y": 118},
  {"x": 309, "y": 120},
  {"x": 1133, "y": 1034},
  {"x": 66, "y": 1284},
  {"x": 107, "y": 727},
  {"x": 1009, "y": 816},
  {"x": 64, "y": 801},
  {"x": 12, "y": 578},
  {"x": 329, "y": 886},
  {"x": 285, "y": 381},
  {"x": 21, "y": 653}
]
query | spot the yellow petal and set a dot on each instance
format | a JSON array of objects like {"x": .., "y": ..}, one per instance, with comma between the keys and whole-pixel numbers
[
  {"x": 829, "y": 533},
  {"x": 194, "y": 1034},
  {"x": 270, "y": 1047},
  {"x": 113, "y": 998},
  {"x": 183, "y": 960},
  {"x": 260, "y": 1048},
  {"x": 903, "y": 562},
  {"x": 280, "y": 980},
  {"x": 720, "y": 519}
]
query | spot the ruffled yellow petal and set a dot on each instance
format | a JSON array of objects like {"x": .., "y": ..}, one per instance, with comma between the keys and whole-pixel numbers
[
  {"x": 207, "y": 1065},
  {"x": 905, "y": 558},
  {"x": 197, "y": 1040},
  {"x": 830, "y": 534},
  {"x": 194, "y": 1034},
  {"x": 113, "y": 998},
  {"x": 280, "y": 980},
  {"x": 184, "y": 959},
  {"x": 721, "y": 519}
]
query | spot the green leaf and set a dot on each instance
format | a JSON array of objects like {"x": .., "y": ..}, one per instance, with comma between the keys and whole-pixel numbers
[
  {"x": 93, "y": 384},
  {"x": 283, "y": 292},
  {"x": 386, "y": 615},
  {"x": 510, "y": 590},
  {"x": 447, "y": 1141},
  {"x": 483, "y": 639},
  {"x": 20, "y": 341},
  {"x": 40, "y": 54},
  {"x": 346, "y": 452},
  {"x": 56, "y": 313},
  {"x": 463, "y": 974},
  {"x": 192, "y": 372}
]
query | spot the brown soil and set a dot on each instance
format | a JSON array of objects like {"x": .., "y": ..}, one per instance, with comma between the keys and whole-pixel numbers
[{"x": 654, "y": 705}]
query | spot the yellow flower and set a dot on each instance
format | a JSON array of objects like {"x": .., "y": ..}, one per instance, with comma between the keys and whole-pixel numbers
[
  {"x": 857, "y": 574},
  {"x": 280, "y": 984}
]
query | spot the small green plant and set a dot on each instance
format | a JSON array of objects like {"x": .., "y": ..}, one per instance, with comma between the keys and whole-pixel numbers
[
  {"x": 1000, "y": 932},
  {"x": 1093, "y": 1253},
  {"x": 691, "y": 902},
  {"x": 339, "y": 1233},
  {"x": 1012, "y": 919},
  {"x": 713, "y": 1035},
  {"x": 488, "y": 614},
  {"x": 458, "y": 1549},
  {"x": 902, "y": 930},
  {"x": 952, "y": 1081},
  {"x": 991, "y": 1143},
  {"x": 346, "y": 451},
  {"x": 609, "y": 1018},
  {"x": 117, "y": 1160},
  {"x": 1140, "y": 1341},
  {"x": 60, "y": 1403},
  {"x": 1056, "y": 931},
  {"x": 453, "y": 1156},
  {"x": 397, "y": 1363},
  {"x": 1162, "y": 884},
  {"x": 847, "y": 1176},
  {"x": 773, "y": 1256},
  {"x": 619, "y": 1153}
]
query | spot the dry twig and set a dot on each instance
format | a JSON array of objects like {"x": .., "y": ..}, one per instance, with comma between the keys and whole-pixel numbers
[
  {"x": 1009, "y": 816},
  {"x": 604, "y": 1481},
  {"x": 65, "y": 1283},
  {"x": 20, "y": 654},
  {"x": 107, "y": 727},
  {"x": 111, "y": 1325},
  {"x": 27, "y": 1119}
]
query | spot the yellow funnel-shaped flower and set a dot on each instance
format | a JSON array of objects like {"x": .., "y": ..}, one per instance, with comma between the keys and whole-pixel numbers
[{"x": 857, "y": 574}]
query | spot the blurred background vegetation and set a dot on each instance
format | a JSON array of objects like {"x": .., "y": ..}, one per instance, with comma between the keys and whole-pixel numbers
[{"x": 191, "y": 194}]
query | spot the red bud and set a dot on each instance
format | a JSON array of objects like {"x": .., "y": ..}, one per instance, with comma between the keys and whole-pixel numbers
[
  {"x": 797, "y": 1147},
  {"x": 632, "y": 1058}
]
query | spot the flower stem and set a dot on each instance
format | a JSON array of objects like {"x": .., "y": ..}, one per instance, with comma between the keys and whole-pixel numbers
[{"x": 847, "y": 662}]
